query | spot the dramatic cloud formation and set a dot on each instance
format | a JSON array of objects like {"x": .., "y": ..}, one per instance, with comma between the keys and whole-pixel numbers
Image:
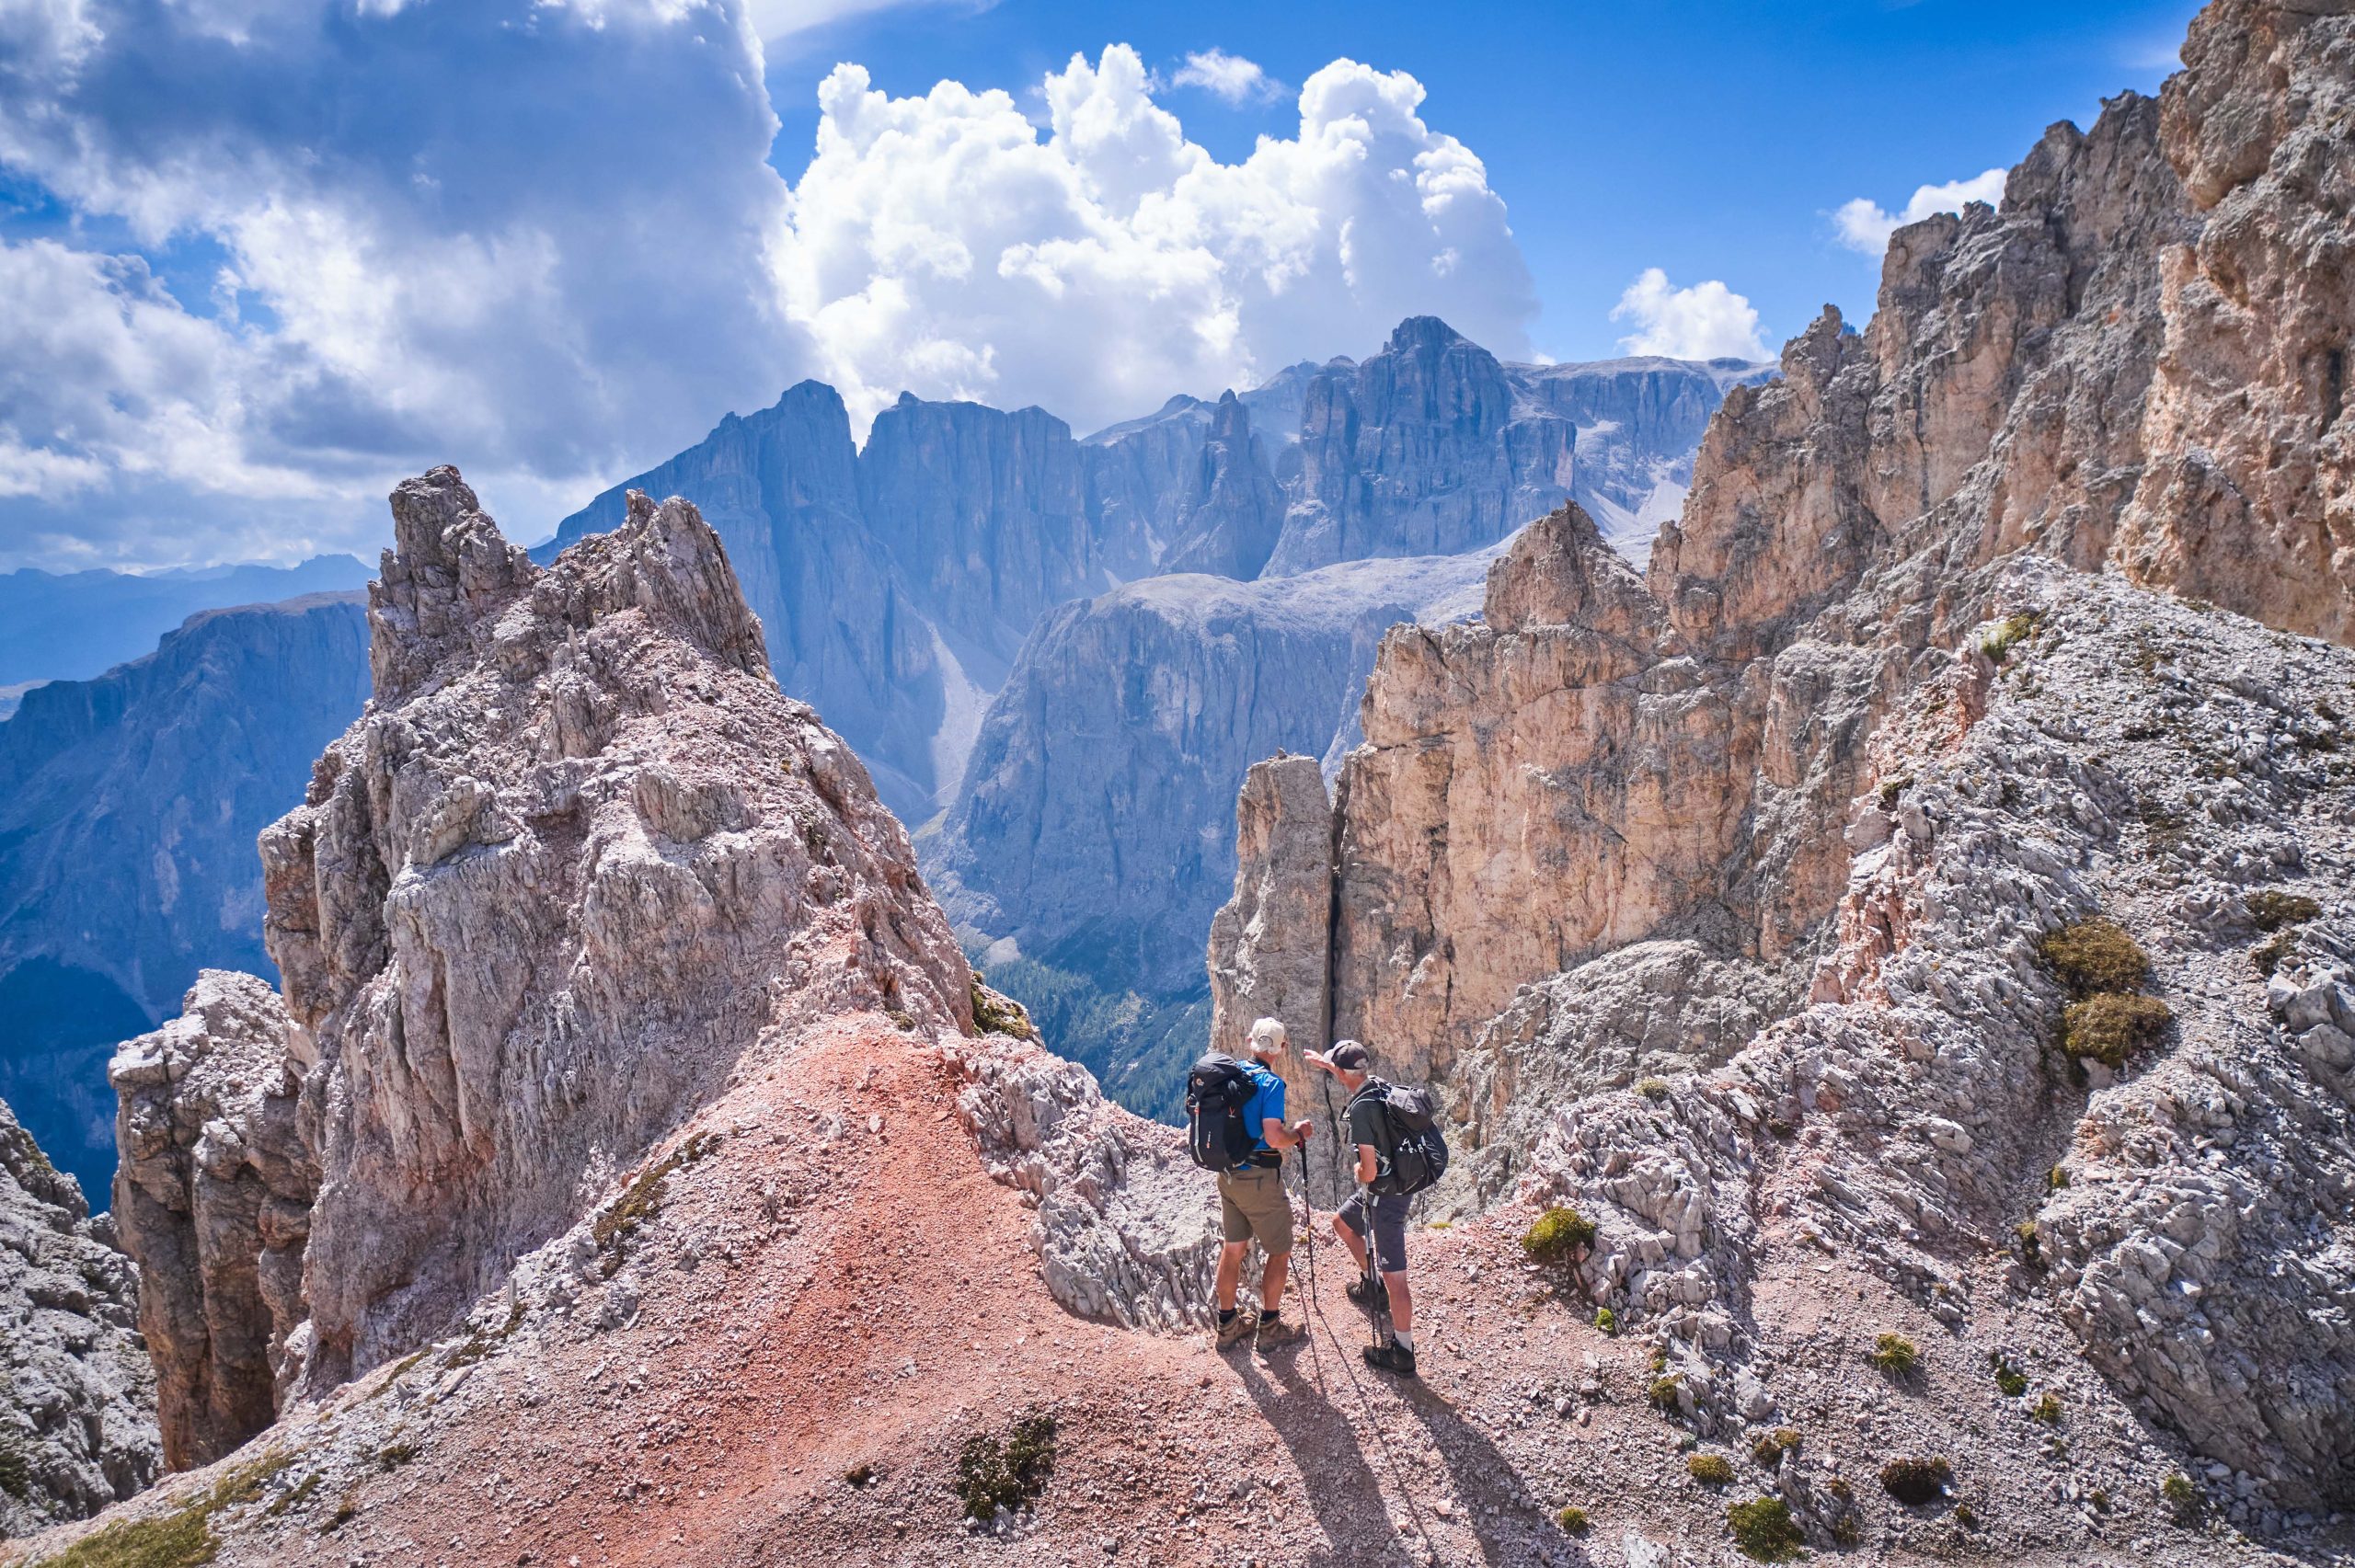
[
  {"x": 541, "y": 238},
  {"x": 1708, "y": 321},
  {"x": 1866, "y": 227},
  {"x": 1229, "y": 77},
  {"x": 941, "y": 245},
  {"x": 536, "y": 242}
]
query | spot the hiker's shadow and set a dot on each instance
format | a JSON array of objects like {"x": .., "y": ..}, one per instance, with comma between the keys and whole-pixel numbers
[
  {"x": 1344, "y": 1486},
  {"x": 1341, "y": 1487}
]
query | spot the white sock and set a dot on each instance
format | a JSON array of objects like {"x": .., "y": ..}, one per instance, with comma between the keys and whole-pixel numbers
[{"x": 1406, "y": 1341}]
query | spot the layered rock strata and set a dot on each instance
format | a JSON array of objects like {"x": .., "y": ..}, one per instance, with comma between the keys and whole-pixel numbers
[{"x": 215, "y": 1196}]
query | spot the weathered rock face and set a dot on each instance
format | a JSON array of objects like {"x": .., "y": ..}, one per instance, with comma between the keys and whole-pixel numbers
[
  {"x": 215, "y": 1196},
  {"x": 1232, "y": 511},
  {"x": 2248, "y": 496},
  {"x": 78, "y": 1428},
  {"x": 127, "y": 809},
  {"x": 1420, "y": 450},
  {"x": 579, "y": 855},
  {"x": 986, "y": 513},
  {"x": 1135, "y": 471},
  {"x": 1093, "y": 825}
]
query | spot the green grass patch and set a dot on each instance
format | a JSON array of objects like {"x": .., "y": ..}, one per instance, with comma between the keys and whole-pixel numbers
[
  {"x": 996, "y": 1475},
  {"x": 2271, "y": 909},
  {"x": 1894, "y": 1354},
  {"x": 1560, "y": 1236},
  {"x": 2111, "y": 1027},
  {"x": 642, "y": 1200},
  {"x": 182, "y": 1538},
  {"x": 2009, "y": 1378},
  {"x": 1764, "y": 1529},
  {"x": 1710, "y": 1470},
  {"x": 1573, "y": 1520},
  {"x": 994, "y": 1013},
  {"x": 1768, "y": 1452},
  {"x": 2046, "y": 1409},
  {"x": 2094, "y": 955}
]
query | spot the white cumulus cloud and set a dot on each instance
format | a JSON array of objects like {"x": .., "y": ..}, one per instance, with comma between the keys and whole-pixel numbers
[
  {"x": 1708, "y": 321},
  {"x": 1864, "y": 225},
  {"x": 1229, "y": 77},
  {"x": 942, "y": 244}
]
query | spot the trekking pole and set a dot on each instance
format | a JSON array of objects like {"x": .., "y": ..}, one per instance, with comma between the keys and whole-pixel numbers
[{"x": 1378, "y": 1294}]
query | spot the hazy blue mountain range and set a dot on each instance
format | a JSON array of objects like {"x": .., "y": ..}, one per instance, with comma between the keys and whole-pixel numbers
[
  {"x": 70, "y": 625},
  {"x": 128, "y": 805}
]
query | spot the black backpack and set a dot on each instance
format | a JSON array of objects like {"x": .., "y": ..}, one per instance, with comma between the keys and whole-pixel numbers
[
  {"x": 1216, "y": 1091},
  {"x": 1409, "y": 1151}
]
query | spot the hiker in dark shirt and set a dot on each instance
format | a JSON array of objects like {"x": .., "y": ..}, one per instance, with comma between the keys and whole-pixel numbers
[{"x": 1383, "y": 1216}]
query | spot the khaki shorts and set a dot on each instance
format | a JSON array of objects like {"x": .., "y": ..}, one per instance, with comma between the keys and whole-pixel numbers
[{"x": 1251, "y": 1204}]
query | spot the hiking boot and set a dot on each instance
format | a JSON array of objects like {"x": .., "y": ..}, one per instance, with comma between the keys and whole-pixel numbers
[
  {"x": 1277, "y": 1333},
  {"x": 1366, "y": 1294},
  {"x": 1238, "y": 1328},
  {"x": 1391, "y": 1358}
]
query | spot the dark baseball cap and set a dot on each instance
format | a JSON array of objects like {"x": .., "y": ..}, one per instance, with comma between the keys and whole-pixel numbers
[{"x": 1350, "y": 1055}]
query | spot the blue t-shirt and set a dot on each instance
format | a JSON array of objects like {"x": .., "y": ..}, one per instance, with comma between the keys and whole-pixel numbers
[{"x": 1266, "y": 1101}]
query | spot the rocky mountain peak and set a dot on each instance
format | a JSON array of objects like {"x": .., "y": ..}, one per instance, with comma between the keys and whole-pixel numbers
[{"x": 448, "y": 574}]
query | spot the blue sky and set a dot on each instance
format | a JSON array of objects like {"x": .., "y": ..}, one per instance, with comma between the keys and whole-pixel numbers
[
  {"x": 1710, "y": 140},
  {"x": 260, "y": 257}
]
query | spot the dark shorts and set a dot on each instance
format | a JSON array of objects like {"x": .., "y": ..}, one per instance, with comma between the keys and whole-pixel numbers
[{"x": 1389, "y": 1227}]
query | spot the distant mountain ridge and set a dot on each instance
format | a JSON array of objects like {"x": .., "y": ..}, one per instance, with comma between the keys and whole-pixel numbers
[
  {"x": 72, "y": 625},
  {"x": 129, "y": 806},
  {"x": 899, "y": 580}
]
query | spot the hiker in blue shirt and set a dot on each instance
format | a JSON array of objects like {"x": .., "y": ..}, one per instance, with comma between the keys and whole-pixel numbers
[{"x": 1252, "y": 1204}]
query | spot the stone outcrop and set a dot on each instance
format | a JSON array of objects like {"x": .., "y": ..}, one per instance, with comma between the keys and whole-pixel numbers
[
  {"x": 577, "y": 856},
  {"x": 214, "y": 1197},
  {"x": 77, "y": 1427},
  {"x": 127, "y": 809}
]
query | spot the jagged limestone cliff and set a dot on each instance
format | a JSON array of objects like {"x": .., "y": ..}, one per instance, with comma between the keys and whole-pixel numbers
[{"x": 1731, "y": 758}]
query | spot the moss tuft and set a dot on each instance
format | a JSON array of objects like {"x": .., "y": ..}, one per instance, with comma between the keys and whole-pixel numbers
[
  {"x": 1710, "y": 1470},
  {"x": 1560, "y": 1236},
  {"x": 1652, "y": 1088},
  {"x": 2094, "y": 955},
  {"x": 1663, "y": 1394},
  {"x": 2182, "y": 1498},
  {"x": 2271, "y": 910},
  {"x": 1573, "y": 1520},
  {"x": 994, "y": 1013},
  {"x": 2111, "y": 1027},
  {"x": 1768, "y": 1452},
  {"x": 642, "y": 1199},
  {"x": 2046, "y": 1409},
  {"x": 2009, "y": 1378},
  {"x": 994, "y": 1476},
  {"x": 1764, "y": 1529},
  {"x": 1895, "y": 1354},
  {"x": 1607, "y": 1321}
]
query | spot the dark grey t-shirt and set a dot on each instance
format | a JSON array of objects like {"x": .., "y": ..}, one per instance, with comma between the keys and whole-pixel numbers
[{"x": 1365, "y": 1116}]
